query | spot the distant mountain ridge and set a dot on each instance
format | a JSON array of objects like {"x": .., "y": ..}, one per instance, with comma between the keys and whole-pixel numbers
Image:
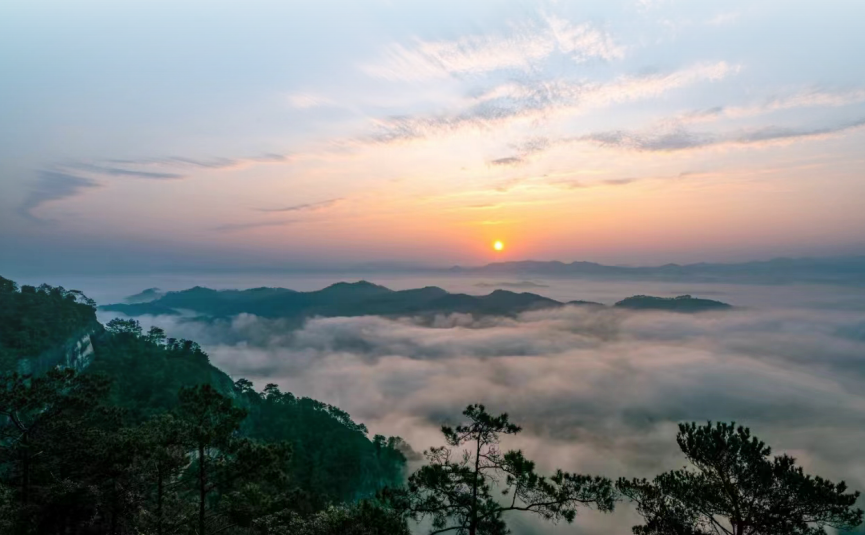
[
  {"x": 682, "y": 303},
  {"x": 365, "y": 298},
  {"x": 150, "y": 294},
  {"x": 841, "y": 270}
]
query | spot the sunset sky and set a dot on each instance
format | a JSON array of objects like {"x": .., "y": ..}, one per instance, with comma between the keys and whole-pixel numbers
[{"x": 147, "y": 135}]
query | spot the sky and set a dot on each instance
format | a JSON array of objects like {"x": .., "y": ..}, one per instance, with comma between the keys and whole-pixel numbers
[{"x": 265, "y": 134}]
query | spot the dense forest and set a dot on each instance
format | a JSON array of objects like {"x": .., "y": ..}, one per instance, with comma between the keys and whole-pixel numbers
[
  {"x": 35, "y": 321},
  {"x": 142, "y": 435},
  {"x": 150, "y": 434}
]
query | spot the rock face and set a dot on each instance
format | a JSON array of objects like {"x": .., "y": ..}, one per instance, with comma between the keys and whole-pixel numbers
[{"x": 76, "y": 353}]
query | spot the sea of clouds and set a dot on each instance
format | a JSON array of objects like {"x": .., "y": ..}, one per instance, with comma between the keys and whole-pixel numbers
[{"x": 596, "y": 391}]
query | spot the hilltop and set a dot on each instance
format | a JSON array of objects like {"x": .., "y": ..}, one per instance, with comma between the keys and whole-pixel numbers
[{"x": 365, "y": 298}]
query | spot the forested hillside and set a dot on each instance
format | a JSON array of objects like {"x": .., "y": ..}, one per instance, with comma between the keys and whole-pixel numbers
[
  {"x": 151, "y": 438},
  {"x": 35, "y": 321},
  {"x": 332, "y": 455}
]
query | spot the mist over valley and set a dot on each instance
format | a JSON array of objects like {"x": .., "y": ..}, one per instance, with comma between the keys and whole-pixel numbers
[{"x": 598, "y": 390}]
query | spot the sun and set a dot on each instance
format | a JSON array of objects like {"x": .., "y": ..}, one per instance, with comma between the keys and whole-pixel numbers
[{"x": 498, "y": 246}]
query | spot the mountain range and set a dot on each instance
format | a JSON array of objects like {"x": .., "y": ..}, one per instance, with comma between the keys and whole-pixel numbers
[
  {"x": 364, "y": 298},
  {"x": 839, "y": 270}
]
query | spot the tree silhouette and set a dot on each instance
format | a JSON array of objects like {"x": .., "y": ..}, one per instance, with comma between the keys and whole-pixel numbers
[
  {"x": 736, "y": 488},
  {"x": 122, "y": 326},
  {"x": 212, "y": 420},
  {"x": 30, "y": 404},
  {"x": 458, "y": 494},
  {"x": 161, "y": 447}
]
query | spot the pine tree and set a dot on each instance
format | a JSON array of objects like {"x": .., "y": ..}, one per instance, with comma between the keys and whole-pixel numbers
[
  {"x": 456, "y": 490},
  {"x": 736, "y": 488}
]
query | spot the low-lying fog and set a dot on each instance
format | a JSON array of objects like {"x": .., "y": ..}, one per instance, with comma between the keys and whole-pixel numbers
[{"x": 596, "y": 392}]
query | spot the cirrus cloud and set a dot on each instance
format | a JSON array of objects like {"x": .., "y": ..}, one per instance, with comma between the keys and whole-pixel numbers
[{"x": 478, "y": 54}]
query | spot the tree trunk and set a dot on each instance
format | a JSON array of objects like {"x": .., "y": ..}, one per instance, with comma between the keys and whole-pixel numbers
[
  {"x": 202, "y": 488},
  {"x": 25, "y": 471},
  {"x": 159, "y": 492},
  {"x": 114, "y": 508},
  {"x": 473, "y": 524}
]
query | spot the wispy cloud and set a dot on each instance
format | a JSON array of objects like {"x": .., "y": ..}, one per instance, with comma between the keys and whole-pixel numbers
[
  {"x": 510, "y": 161},
  {"x": 522, "y": 48},
  {"x": 65, "y": 180},
  {"x": 645, "y": 5},
  {"x": 722, "y": 19},
  {"x": 180, "y": 162},
  {"x": 780, "y": 133},
  {"x": 306, "y": 207},
  {"x": 537, "y": 100},
  {"x": 677, "y": 139},
  {"x": 681, "y": 139},
  {"x": 117, "y": 171},
  {"x": 803, "y": 99},
  {"x": 238, "y": 227},
  {"x": 52, "y": 186},
  {"x": 812, "y": 98},
  {"x": 619, "y": 181},
  {"x": 567, "y": 183},
  {"x": 304, "y": 101}
]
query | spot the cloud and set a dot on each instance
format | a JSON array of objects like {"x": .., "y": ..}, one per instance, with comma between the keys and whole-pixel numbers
[
  {"x": 306, "y": 207},
  {"x": 116, "y": 171},
  {"x": 237, "y": 227},
  {"x": 567, "y": 184},
  {"x": 525, "y": 46},
  {"x": 677, "y": 139},
  {"x": 577, "y": 184},
  {"x": 803, "y": 99},
  {"x": 722, "y": 19},
  {"x": 538, "y": 100},
  {"x": 303, "y": 101},
  {"x": 182, "y": 162},
  {"x": 814, "y": 98},
  {"x": 646, "y": 5},
  {"x": 510, "y": 161},
  {"x": 532, "y": 146},
  {"x": 596, "y": 391},
  {"x": 680, "y": 139},
  {"x": 780, "y": 133},
  {"x": 619, "y": 181},
  {"x": 53, "y": 186}
]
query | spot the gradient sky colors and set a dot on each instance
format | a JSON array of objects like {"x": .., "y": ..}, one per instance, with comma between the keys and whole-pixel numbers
[{"x": 152, "y": 135}]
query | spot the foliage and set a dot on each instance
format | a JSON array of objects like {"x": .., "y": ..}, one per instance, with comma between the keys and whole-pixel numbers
[
  {"x": 333, "y": 458},
  {"x": 736, "y": 488},
  {"x": 53, "y": 425},
  {"x": 458, "y": 494},
  {"x": 362, "y": 518},
  {"x": 69, "y": 465},
  {"x": 35, "y": 320},
  {"x": 152, "y": 434},
  {"x": 148, "y": 370},
  {"x": 332, "y": 455}
]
